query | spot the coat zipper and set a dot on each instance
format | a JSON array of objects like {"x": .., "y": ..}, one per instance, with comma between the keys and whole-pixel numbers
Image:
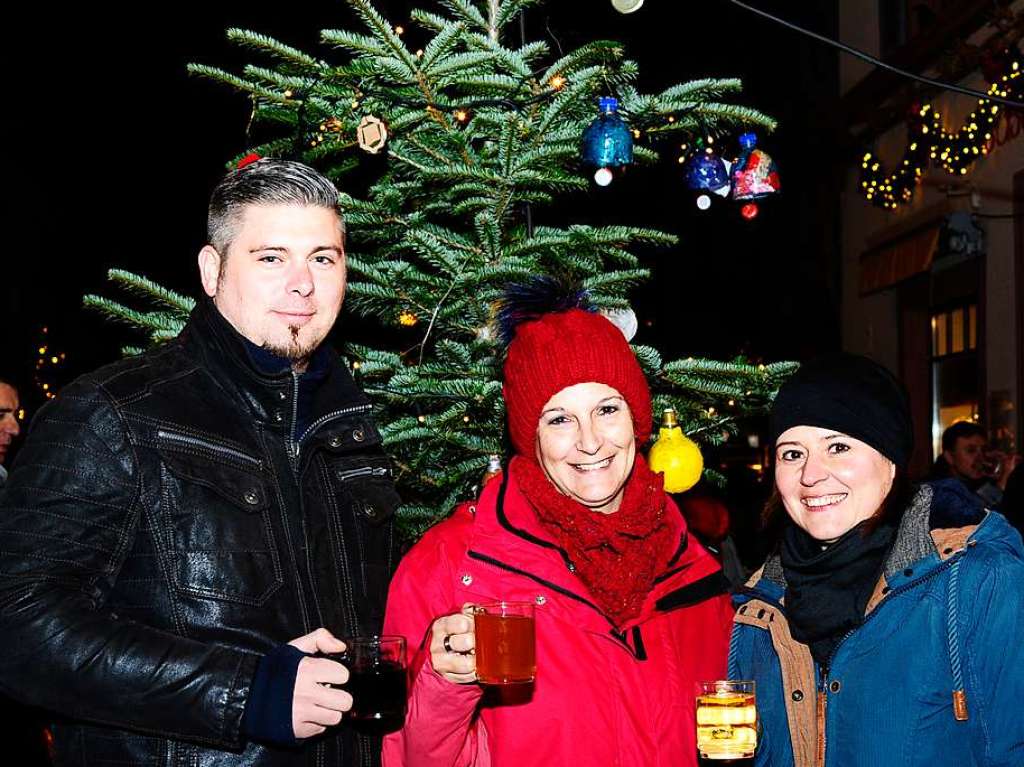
[
  {"x": 372, "y": 471},
  {"x": 330, "y": 417},
  {"x": 292, "y": 448},
  {"x": 293, "y": 444},
  {"x": 202, "y": 444},
  {"x": 825, "y": 669}
]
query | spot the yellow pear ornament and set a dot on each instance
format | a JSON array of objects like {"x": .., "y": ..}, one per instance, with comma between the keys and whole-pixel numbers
[{"x": 675, "y": 455}]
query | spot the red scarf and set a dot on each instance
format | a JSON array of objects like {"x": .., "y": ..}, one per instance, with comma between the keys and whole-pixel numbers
[{"x": 618, "y": 555}]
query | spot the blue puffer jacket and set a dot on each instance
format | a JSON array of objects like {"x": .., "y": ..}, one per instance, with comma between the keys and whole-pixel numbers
[{"x": 935, "y": 673}]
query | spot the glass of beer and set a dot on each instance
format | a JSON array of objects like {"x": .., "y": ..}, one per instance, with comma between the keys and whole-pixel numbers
[
  {"x": 376, "y": 679},
  {"x": 505, "y": 652},
  {"x": 726, "y": 719}
]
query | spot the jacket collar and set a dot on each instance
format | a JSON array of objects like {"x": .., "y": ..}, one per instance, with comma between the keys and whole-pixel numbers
[
  {"x": 508, "y": 534},
  {"x": 936, "y": 509},
  {"x": 266, "y": 392}
]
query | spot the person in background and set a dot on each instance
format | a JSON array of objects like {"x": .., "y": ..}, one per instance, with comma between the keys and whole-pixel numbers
[
  {"x": 9, "y": 425},
  {"x": 966, "y": 457},
  {"x": 885, "y": 630},
  {"x": 708, "y": 518}
]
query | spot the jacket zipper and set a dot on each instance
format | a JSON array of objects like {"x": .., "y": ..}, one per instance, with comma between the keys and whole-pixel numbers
[
  {"x": 826, "y": 667},
  {"x": 202, "y": 444},
  {"x": 292, "y": 450},
  {"x": 373, "y": 471},
  {"x": 293, "y": 444},
  {"x": 330, "y": 417}
]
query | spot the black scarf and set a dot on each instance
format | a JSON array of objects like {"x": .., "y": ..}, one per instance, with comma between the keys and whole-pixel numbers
[{"x": 827, "y": 590}]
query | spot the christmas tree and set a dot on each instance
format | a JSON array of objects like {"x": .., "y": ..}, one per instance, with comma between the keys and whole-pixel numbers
[{"x": 478, "y": 125}]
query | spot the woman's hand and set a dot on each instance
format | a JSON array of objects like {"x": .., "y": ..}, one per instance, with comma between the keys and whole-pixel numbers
[{"x": 453, "y": 645}]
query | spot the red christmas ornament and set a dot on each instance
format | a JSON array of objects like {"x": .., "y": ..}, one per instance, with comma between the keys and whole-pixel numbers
[
  {"x": 249, "y": 159},
  {"x": 749, "y": 211}
]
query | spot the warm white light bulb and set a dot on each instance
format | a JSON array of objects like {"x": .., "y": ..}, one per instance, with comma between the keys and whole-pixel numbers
[
  {"x": 627, "y": 6},
  {"x": 603, "y": 177}
]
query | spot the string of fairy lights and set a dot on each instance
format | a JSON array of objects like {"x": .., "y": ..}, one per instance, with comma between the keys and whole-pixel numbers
[
  {"x": 928, "y": 142},
  {"x": 47, "y": 363}
]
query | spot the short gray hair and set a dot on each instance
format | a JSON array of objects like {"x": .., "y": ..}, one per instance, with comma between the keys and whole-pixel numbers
[{"x": 267, "y": 181}]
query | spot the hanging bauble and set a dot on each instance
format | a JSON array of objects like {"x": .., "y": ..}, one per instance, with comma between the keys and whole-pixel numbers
[
  {"x": 627, "y": 6},
  {"x": 703, "y": 202},
  {"x": 676, "y": 456},
  {"x": 704, "y": 171},
  {"x": 726, "y": 190},
  {"x": 607, "y": 142},
  {"x": 754, "y": 174},
  {"x": 372, "y": 134},
  {"x": 493, "y": 468},
  {"x": 750, "y": 211},
  {"x": 624, "y": 319}
]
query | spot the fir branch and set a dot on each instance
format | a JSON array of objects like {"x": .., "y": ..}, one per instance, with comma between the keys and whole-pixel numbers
[
  {"x": 236, "y": 82},
  {"x": 447, "y": 70},
  {"x": 701, "y": 90},
  {"x": 147, "y": 289},
  {"x": 361, "y": 45},
  {"x": 150, "y": 322},
  {"x": 428, "y": 20},
  {"x": 442, "y": 46},
  {"x": 276, "y": 79},
  {"x": 467, "y": 12},
  {"x": 715, "y": 114},
  {"x": 592, "y": 55},
  {"x": 649, "y": 359},
  {"x": 509, "y": 8},
  {"x": 284, "y": 53},
  {"x": 384, "y": 32}
]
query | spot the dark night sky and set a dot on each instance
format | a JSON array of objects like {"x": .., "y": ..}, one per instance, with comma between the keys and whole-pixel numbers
[{"x": 124, "y": 148}]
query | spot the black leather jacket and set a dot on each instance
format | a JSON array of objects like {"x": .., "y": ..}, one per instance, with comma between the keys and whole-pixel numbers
[{"x": 161, "y": 529}]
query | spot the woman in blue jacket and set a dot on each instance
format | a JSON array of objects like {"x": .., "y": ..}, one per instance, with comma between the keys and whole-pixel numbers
[{"x": 888, "y": 629}]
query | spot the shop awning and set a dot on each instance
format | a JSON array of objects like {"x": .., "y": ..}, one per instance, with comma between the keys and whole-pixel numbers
[{"x": 897, "y": 260}]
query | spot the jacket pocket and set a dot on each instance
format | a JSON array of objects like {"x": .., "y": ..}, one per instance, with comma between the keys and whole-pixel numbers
[
  {"x": 366, "y": 483},
  {"x": 364, "y": 502},
  {"x": 216, "y": 511}
]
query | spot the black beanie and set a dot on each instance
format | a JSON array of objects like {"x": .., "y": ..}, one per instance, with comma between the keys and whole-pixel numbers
[{"x": 852, "y": 395}]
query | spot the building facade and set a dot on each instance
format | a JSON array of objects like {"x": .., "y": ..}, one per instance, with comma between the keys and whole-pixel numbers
[{"x": 932, "y": 264}]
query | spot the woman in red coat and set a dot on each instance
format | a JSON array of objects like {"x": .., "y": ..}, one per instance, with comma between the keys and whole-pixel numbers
[{"x": 630, "y": 610}]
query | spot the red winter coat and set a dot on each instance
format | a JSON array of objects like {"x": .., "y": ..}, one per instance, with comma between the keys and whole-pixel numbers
[{"x": 601, "y": 697}]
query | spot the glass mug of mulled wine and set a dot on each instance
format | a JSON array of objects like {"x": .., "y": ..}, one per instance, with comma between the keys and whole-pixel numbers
[
  {"x": 376, "y": 680},
  {"x": 505, "y": 643},
  {"x": 726, "y": 719}
]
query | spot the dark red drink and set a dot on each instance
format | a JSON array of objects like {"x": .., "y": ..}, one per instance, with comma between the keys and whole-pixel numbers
[{"x": 378, "y": 692}]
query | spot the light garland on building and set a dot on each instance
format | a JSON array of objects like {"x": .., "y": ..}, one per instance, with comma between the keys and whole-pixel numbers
[{"x": 928, "y": 141}]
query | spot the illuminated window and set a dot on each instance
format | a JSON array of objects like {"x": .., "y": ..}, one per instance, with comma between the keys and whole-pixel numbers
[{"x": 955, "y": 388}]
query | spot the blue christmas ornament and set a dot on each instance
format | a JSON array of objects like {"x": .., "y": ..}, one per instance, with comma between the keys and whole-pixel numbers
[
  {"x": 608, "y": 142},
  {"x": 704, "y": 171}
]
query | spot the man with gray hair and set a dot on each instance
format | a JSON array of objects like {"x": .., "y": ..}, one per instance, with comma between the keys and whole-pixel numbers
[{"x": 188, "y": 533}]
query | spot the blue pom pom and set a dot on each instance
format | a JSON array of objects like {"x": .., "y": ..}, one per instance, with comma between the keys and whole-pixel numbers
[{"x": 527, "y": 301}]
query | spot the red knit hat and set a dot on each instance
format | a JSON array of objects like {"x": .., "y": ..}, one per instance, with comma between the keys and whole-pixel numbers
[{"x": 562, "y": 349}]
